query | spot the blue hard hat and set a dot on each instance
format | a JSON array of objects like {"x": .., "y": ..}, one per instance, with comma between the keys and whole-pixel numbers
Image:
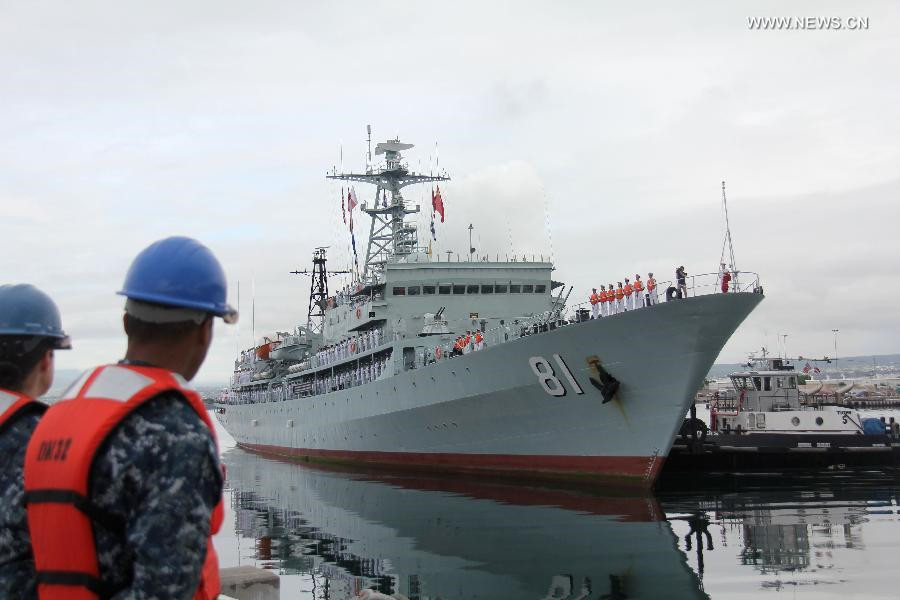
[
  {"x": 179, "y": 272},
  {"x": 27, "y": 311}
]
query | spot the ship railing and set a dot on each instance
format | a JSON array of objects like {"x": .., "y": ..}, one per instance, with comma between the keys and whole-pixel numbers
[
  {"x": 705, "y": 284},
  {"x": 357, "y": 345},
  {"x": 695, "y": 285}
]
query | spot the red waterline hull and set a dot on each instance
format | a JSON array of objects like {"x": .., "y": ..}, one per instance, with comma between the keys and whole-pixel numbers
[{"x": 638, "y": 471}]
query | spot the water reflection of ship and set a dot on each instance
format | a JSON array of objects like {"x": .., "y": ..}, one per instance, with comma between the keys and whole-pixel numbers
[
  {"x": 453, "y": 538},
  {"x": 781, "y": 529}
]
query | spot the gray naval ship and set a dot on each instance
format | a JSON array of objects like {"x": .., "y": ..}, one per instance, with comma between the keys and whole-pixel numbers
[{"x": 535, "y": 390}]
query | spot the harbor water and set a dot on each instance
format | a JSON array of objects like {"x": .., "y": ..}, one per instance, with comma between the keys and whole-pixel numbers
[{"x": 333, "y": 533}]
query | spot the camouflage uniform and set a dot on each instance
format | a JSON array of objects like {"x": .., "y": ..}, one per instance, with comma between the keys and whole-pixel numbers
[
  {"x": 16, "y": 561},
  {"x": 159, "y": 474}
]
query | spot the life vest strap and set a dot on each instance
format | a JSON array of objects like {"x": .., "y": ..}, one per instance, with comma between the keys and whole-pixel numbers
[
  {"x": 110, "y": 522},
  {"x": 75, "y": 579},
  {"x": 29, "y": 407}
]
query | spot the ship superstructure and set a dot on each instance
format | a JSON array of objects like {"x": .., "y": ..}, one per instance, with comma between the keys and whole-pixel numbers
[{"x": 475, "y": 365}]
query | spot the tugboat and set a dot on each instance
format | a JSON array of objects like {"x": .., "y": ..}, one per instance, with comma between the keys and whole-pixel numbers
[
  {"x": 473, "y": 366},
  {"x": 762, "y": 422}
]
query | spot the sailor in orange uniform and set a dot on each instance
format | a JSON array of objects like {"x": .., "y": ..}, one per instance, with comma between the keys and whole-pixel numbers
[
  {"x": 595, "y": 305},
  {"x": 629, "y": 298},
  {"x": 604, "y": 307},
  {"x": 620, "y": 298},
  {"x": 479, "y": 340},
  {"x": 123, "y": 484},
  {"x": 638, "y": 292},
  {"x": 651, "y": 290}
]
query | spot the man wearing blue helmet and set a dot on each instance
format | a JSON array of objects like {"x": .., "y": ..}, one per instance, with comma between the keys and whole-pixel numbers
[
  {"x": 122, "y": 477},
  {"x": 30, "y": 330}
]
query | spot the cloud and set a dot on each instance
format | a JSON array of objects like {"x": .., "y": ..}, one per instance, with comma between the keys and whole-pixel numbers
[{"x": 598, "y": 134}]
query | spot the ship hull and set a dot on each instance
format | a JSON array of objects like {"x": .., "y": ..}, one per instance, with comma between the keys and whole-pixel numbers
[{"x": 528, "y": 407}]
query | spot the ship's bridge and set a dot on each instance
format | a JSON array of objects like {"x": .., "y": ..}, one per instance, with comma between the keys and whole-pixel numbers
[{"x": 475, "y": 295}]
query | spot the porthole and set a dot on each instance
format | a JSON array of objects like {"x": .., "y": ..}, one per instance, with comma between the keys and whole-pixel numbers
[
  {"x": 795, "y": 421},
  {"x": 819, "y": 420}
]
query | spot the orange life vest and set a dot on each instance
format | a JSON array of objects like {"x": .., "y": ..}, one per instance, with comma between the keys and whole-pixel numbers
[
  {"x": 628, "y": 289},
  {"x": 478, "y": 337},
  {"x": 638, "y": 286},
  {"x": 57, "y": 477},
  {"x": 595, "y": 298},
  {"x": 13, "y": 405},
  {"x": 603, "y": 296},
  {"x": 619, "y": 293},
  {"x": 651, "y": 284}
]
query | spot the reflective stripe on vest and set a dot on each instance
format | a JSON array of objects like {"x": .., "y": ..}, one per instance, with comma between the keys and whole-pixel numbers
[
  {"x": 57, "y": 476},
  {"x": 13, "y": 405}
]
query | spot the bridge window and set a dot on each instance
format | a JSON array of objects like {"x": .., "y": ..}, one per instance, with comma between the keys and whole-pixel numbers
[
  {"x": 767, "y": 384},
  {"x": 500, "y": 288},
  {"x": 412, "y": 290},
  {"x": 540, "y": 289},
  {"x": 443, "y": 289},
  {"x": 792, "y": 382},
  {"x": 428, "y": 290},
  {"x": 487, "y": 289},
  {"x": 471, "y": 289},
  {"x": 527, "y": 289},
  {"x": 757, "y": 383},
  {"x": 399, "y": 291},
  {"x": 459, "y": 289},
  {"x": 515, "y": 288}
]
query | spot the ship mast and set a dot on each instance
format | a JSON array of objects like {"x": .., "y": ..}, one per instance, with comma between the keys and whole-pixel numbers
[
  {"x": 390, "y": 235},
  {"x": 318, "y": 290}
]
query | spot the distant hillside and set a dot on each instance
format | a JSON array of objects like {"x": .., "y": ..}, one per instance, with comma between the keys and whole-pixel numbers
[
  {"x": 883, "y": 365},
  {"x": 63, "y": 378}
]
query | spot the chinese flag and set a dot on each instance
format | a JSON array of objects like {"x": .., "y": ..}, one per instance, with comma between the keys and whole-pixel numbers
[{"x": 437, "y": 203}]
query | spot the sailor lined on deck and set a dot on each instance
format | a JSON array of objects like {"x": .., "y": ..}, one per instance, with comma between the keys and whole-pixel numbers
[
  {"x": 629, "y": 291},
  {"x": 595, "y": 304},
  {"x": 726, "y": 279},
  {"x": 651, "y": 290},
  {"x": 604, "y": 307},
  {"x": 681, "y": 279},
  {"x": 638, "y": 291},
  {"x": 620, "y": 298},
  {"x": 479, "y": 340}
]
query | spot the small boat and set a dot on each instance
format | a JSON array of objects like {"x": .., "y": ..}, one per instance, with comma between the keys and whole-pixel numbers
[{"x": 762, "y": 423}]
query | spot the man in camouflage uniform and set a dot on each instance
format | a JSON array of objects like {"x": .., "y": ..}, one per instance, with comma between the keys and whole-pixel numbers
[
  {"x": 30, "y": 330},
  {"x": 157, "y": 478}
]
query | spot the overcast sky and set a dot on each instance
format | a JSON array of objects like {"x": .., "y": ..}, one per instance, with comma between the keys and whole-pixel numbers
[{"x": 590, "y": 131}]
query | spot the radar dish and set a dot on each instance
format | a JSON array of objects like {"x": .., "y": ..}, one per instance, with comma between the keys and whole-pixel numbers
[{"x": 391, "y": 146}]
